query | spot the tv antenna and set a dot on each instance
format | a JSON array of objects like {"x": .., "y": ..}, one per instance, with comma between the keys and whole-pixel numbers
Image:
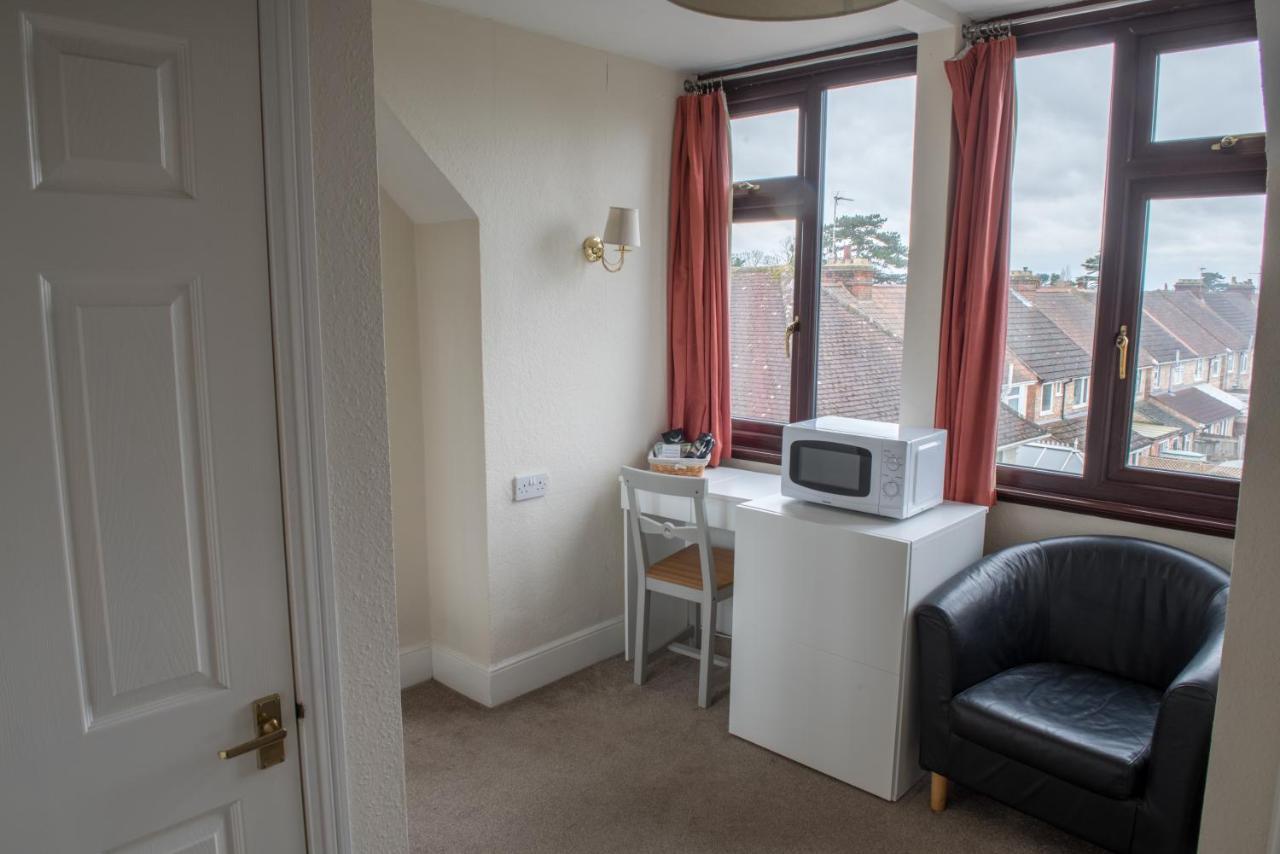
[{"x": 836, "y": 199}]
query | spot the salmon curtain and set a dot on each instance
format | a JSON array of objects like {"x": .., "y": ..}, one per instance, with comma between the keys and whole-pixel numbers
[
  {"x": 698, "y": 272},
  {"x": 975, "y": 300}
]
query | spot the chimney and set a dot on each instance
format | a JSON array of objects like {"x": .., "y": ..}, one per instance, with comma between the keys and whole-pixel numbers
[
  {"x": 1024, "y": 280},
  {"x": 1193, "y": 286},
  {"x": 1246, "y": 287},
  {"x": 856, "y": 275}
]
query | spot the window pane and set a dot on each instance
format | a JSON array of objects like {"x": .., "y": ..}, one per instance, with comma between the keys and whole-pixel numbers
[
  {"x": 867, "y": 214},
  {"x": 1059, "y": 174},
  {"x": 1199, "y": 308},
  {"x": 1209, "y": 92},
  {"x": 761, "y": 289},
  {"x": 765, "y": 146}
]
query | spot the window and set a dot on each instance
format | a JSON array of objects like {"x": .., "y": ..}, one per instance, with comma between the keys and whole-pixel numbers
[
  {"x": 1130, "y": 212},
  {"x": 762, "y": 277},
  {"x": 1059, "y": 179},
  {"x": 1188, "y": 109},
  {"x": 821, "y": 213},
  {"x": 1046, "y": 399},
  {"x": 1228, "y": 233},
  {"x": 1015, "y": 397},
  {"x": 765, "y": 145},
  {"x": 1080, "y": 392}
]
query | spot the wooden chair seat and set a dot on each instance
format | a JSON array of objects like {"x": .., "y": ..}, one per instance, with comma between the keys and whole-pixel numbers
[{"x": 684, "y": 568}]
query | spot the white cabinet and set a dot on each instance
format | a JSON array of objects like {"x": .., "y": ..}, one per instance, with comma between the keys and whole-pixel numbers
[{"x": 823, "y": 657}]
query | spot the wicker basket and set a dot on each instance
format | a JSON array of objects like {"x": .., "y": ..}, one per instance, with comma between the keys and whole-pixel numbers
[{"x": 683, "y": 466}]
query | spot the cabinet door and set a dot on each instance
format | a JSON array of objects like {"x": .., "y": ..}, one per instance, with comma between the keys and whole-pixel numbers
[{"x": 822, "y": 586}]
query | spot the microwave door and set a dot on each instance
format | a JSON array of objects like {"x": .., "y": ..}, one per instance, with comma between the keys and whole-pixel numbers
[{"x": 833, "y": 468}]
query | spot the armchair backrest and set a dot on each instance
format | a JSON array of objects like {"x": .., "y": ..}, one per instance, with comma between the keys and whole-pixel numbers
[{"x": 1126, "y": 606}]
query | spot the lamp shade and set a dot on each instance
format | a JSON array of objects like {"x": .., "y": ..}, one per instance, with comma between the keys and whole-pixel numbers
[
  {"x": 622, "y": 228},
  {"x": 780, "y": 10}
]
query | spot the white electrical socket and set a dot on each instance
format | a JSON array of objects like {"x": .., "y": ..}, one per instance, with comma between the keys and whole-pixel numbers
[{"x": 528, "y": 486}]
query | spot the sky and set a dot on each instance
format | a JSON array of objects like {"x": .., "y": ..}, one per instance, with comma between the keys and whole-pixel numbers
[{"x": 1060, "y": 160}]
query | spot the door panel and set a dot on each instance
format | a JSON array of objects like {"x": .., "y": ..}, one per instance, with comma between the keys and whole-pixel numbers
[
  {"x": 143, "y": 598},
  {"x": 131, "y": 402}
]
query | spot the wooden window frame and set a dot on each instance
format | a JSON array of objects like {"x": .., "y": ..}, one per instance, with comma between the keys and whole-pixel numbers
[
  {"x": 799, "y": 196},
  {"x": 1138, "y": 171}
]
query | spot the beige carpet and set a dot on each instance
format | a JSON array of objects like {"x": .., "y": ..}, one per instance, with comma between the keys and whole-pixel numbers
[{"x": 595, "y": 764}]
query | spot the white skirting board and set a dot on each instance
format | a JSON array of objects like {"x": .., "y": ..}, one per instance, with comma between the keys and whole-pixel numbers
[
  {"x": 415, "y": 665},
  {"x": 520, "y": 674}
]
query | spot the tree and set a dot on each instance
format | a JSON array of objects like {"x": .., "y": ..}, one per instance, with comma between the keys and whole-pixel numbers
[
  {"x": 781, "y": 266},
  {"x": 753, "y": 258},
  {"x": 1091, "y": 267},
  {"x": 866, "y": 237},
  {"x": 1213, "y": 281}
]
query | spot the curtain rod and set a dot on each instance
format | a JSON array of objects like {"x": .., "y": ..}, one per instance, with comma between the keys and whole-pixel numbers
[
  {"x": 970, "y": 32},
  {"x": 1003, "y": 26},
  {"x": 794, "y": 64}
]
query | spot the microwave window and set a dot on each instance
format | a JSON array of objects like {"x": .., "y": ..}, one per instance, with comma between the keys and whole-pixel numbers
[{"x": 831, "y": 467}]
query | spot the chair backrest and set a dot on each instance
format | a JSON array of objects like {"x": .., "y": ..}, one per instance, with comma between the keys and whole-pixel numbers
[
  {"x": 1128, "y": 606},
  {"x": 1121, "y": 605},
  {"x": 676, "y": 486}
]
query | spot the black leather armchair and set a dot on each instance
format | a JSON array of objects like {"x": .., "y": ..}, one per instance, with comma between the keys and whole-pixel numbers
[{"x": 1075, "y": 679}]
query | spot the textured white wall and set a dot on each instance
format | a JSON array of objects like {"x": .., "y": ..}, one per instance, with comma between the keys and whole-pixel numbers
[
  {"x": 448, "y": 264},
  {"x": 1240, "y": 812},
  {"x": 930, "y": 186},
  {"x": 355, "y": 418},
  {"x": 540, "y": 137},
  {"x": 404, "y": 421}
]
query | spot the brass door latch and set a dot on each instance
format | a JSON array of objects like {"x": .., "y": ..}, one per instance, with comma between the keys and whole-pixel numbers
[
  {"x": 792, "y": 328},
  {"x": 1122, "y": 344},
  {"x": 271, "y": 734}
]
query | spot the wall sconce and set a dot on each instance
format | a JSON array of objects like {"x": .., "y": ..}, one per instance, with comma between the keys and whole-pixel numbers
[{"x": 621, "y": 230}]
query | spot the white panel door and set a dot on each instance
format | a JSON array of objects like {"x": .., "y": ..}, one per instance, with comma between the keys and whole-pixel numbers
[{"x": 143, "y": 599}]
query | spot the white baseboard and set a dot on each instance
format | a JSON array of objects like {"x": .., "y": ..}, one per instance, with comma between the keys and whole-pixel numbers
[
  {"x": 543, "y": 665},
  {"x": 520, "y": 674},
  {"x": 460, "y": 673},
  {"x": 415, "y": 664}
]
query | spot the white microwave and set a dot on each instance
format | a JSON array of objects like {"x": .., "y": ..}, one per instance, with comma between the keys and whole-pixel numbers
[{"x": 869, "y": 466}]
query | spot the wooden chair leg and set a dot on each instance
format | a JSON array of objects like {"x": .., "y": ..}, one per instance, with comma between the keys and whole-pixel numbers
[
  {"x": 641, "y": 655},
  {"x": 938, "y": 793},
  {"x": 707, "y": 650}
]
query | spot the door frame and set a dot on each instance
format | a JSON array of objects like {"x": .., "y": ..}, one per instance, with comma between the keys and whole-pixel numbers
[{"x": 295, "y": 308}]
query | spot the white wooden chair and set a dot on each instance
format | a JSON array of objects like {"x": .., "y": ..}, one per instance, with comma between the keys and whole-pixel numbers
[{"x": 697, "y": 573}]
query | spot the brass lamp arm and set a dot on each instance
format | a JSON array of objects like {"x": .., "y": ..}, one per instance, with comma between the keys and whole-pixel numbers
[{"x": 593, "y": 249}]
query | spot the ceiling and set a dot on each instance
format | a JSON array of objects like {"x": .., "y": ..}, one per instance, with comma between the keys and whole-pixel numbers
[{"x": 660, "y": 32}]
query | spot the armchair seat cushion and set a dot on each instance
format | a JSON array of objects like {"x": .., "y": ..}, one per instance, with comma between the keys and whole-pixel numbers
[{"x": 1079, "y": 724}]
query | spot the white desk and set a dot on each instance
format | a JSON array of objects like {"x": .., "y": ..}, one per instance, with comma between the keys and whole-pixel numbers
[{"x": 727, "y": 489}]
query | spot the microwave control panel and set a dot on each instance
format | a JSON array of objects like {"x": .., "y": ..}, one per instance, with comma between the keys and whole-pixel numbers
[{"x": 892, "y": 471}]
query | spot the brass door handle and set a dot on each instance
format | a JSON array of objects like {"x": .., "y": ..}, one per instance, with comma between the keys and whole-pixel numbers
[
  {"x": 790, "y": 332},
  {"x": 271, "y": 735},
  {"x": 275, "y": 735},
  {"x": 1122, "y": 344}
]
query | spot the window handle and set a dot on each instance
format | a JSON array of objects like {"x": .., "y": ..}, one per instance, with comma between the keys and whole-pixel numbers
[
  {"x": 1122, "y": 344},
  {"x": 792, "y": 328},
  {"x": 1227, "y": 142}
]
